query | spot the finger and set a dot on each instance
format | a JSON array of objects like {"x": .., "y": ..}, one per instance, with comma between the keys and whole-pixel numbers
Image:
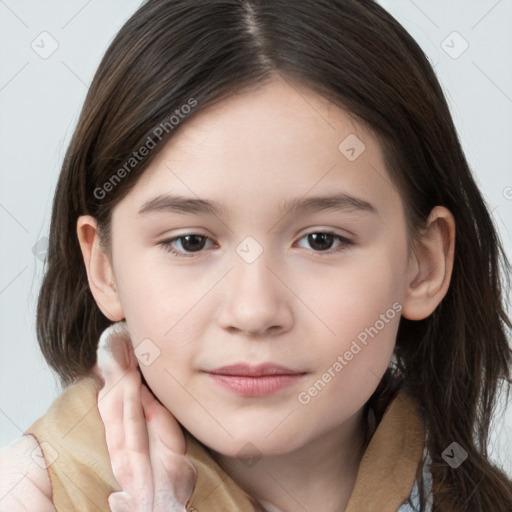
[
  {"x": 123, "y": 502},
  {"x": 126, "y": 437},
  {"x": 174, "y": 476},
  {"x": 119, "y": 502},
  {"x": 136, "y": 434},
  {"x": 110, "y": 407},
  {"x": 119, "y": 404},
  {"x": 113, "y": 366},
  {"x": 165, "y": 423},
  {"x": 131, "y": 462}
]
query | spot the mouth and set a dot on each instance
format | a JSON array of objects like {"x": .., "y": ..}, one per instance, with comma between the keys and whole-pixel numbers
[
  {"x": 252, "y": 381},
  {"x": 246, "y": 370}
]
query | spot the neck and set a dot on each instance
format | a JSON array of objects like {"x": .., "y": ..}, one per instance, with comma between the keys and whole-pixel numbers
[{"x": 317, "y": 476}]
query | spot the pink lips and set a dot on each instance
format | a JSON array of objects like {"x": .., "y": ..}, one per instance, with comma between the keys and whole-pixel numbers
[{"x": 261, "y": 380}]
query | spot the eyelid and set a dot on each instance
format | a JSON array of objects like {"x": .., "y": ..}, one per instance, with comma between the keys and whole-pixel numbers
[{"x": 342, "y": 233}]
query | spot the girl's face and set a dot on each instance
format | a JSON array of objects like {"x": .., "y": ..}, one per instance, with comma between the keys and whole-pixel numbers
[{"x": 295, "y": 255}]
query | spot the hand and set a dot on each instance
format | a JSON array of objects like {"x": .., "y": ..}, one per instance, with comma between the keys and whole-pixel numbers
[{"x": 145, "y": 442}]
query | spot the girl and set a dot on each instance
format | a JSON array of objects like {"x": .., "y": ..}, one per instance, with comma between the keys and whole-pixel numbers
[{"x": 335, "y": 336}]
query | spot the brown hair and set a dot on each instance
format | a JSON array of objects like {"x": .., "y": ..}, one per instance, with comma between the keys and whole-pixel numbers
[{"x": 357, "y": 55}]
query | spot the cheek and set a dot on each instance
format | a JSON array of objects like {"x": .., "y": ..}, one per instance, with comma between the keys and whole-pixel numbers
[
  {"x": 159, "y": 296},
  {"x": 350, "y": 363},
  {"x": 360, "y": 304},
  {"x": 163, "y": 308},
  {"x": 172, "y": 359},
  {"x": 353, "y": 296}
]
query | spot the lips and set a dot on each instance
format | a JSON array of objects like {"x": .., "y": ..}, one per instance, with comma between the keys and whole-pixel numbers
[
  {"x": 245, "y": 370},
  {"x": 255, "y": 381}
]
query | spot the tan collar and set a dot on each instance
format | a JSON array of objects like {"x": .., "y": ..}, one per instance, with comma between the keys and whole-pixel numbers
[{"x": 388, "y": 469}]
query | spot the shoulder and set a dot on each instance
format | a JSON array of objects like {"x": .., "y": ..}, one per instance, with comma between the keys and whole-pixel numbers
[{"x": 24, "y": 480}]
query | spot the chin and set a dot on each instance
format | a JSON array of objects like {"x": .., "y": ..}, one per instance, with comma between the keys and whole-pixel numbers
[{"x": 248, "y": 444}]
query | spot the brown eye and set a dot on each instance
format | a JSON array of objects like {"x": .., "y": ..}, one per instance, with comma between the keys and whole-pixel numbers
[
  {"x": 190, "y": 244},
  {"x": 322, "y": 242}
]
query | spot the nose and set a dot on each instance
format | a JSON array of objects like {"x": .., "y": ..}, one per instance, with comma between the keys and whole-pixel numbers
[{"x": 256, "y": 302}]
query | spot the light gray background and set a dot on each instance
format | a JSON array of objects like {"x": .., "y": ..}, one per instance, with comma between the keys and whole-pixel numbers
[{"x": 40, "y": 99}]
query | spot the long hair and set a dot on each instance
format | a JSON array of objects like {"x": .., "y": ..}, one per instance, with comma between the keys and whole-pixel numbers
[{"x": 173, "y": 53}]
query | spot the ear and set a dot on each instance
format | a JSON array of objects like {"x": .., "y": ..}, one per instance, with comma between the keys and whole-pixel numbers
[
  {"x": 99, "y": 269},
  {"x": 430, "y": 265}
]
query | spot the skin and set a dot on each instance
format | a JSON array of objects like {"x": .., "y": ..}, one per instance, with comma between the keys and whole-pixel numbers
[
  {"x": 294, "y": 305},
  {"x": 145, "y": 443}
]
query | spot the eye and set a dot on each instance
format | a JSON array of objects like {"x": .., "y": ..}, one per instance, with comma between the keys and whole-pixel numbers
[
  {"x": 190, "y": 243},
  {"x": 321, "y": 241}
]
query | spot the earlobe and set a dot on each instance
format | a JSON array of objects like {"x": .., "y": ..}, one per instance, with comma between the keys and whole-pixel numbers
[
  {"x": 430, "y": 266},
  {"x": 99, "y": 269}
]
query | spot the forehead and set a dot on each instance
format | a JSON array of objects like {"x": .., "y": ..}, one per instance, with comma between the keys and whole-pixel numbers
[
  {"x": 264, "y": 122},
  {"x": 269, "y": 144}
]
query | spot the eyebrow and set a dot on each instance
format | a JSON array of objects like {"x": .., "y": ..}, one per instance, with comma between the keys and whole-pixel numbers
[{"x": 189, "y": 205}]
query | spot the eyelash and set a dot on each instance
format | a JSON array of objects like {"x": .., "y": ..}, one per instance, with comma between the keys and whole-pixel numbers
[{"x": 168, "y": 247}]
